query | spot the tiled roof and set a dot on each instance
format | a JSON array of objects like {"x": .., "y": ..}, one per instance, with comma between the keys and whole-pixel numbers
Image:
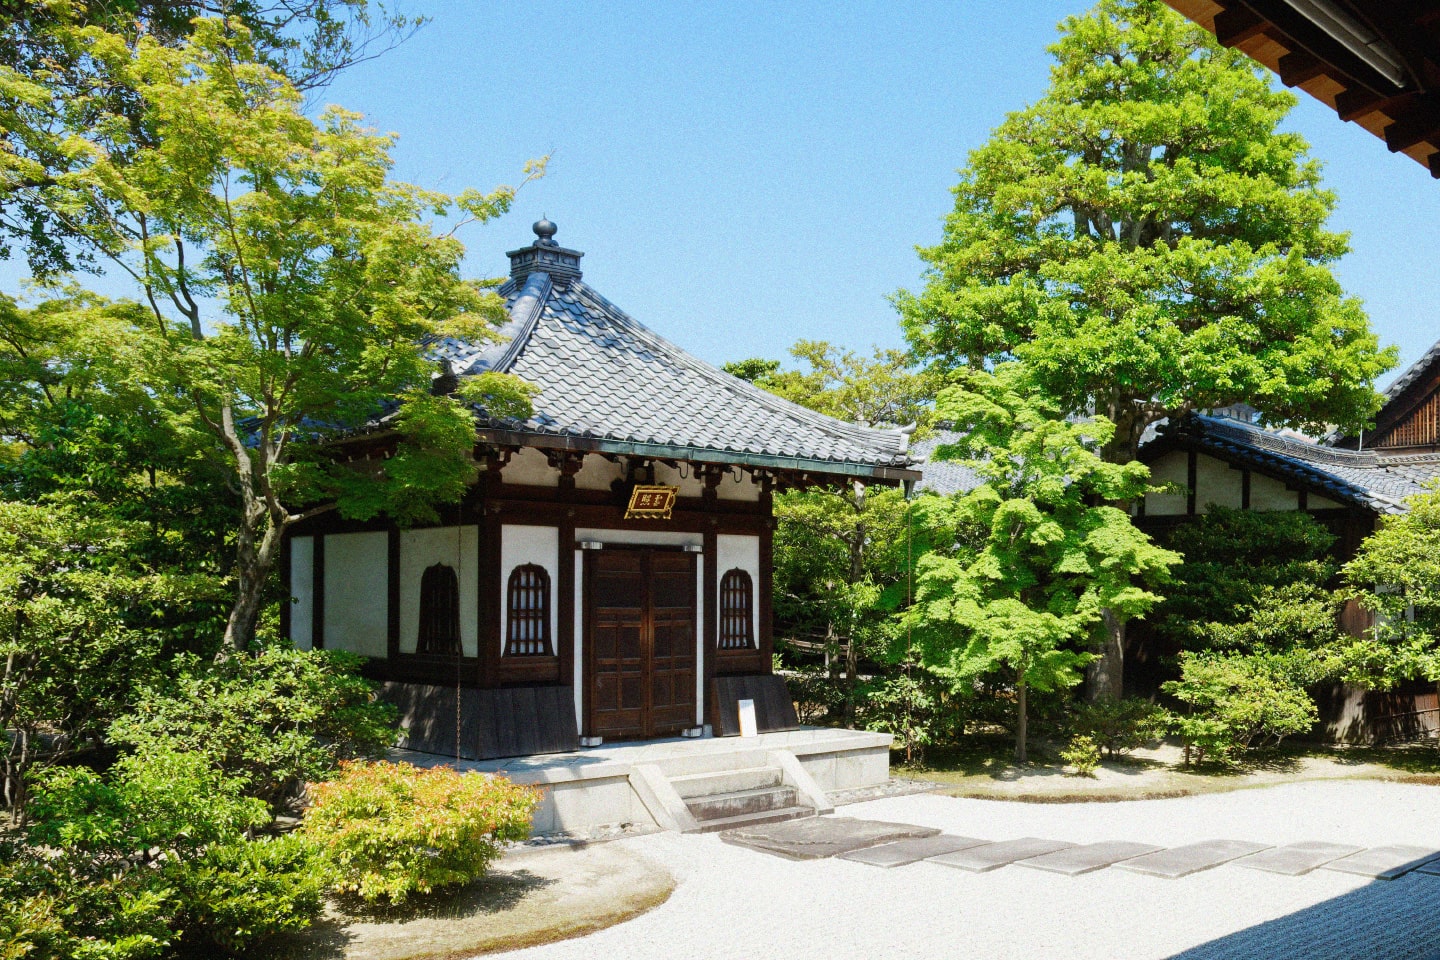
[
  {"x": 1370, "y": 479},
  {"x": 607, "y": 380},
  {"x": 942, "y": 476}
]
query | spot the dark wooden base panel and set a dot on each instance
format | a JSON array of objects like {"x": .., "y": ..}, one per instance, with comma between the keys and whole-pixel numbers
[
  {"x": 774, "y": 710},
  {"x": 494, "y": 723}
]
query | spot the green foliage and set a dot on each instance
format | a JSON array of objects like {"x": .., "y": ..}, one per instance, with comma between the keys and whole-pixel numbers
[
  {"x": 1028, "y": 594},
  {"x": 270, "y": 720},
  {"x": 882, "y": 389},
  {"x": 1147, "y": 241},
  {"x": 1250, "y": 581},
  {"x": 1083, "y": 754},
  {"x": 392, "y": 830},
  {"x": 1236, "y": 702},
  {"x": 1396, "y": 575},
  {"x": 1119, "y": 725},
  {"x": 69, "y": 664},
  {"x": 153, "y": 857},
  {"x": 909, "y": 704}
]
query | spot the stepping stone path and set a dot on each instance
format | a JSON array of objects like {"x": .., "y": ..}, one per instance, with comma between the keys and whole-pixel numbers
[
  {"x": 880, "y": 844},
  {"x": 1384, "y": 863},
  {"x": 901, "y": 852},
  {"x": 1192, "y": 858},
  {"x": 1297, "y": 858},
  {"x": 993, "y": 856},
  {"x": 815, "y": 838},
  {"x": 1074, "y": 861}
]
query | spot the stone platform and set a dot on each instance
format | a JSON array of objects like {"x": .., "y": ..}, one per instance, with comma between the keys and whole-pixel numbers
[{"x": 636, "y": 782}]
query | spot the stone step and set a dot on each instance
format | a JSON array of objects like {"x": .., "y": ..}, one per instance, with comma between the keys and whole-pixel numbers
[
  {"x": 741, "y": 803},
  {"x": 752, "y": 819},
  {"x": 691, "y": 785},
  {"x": 715, "y": 760}
]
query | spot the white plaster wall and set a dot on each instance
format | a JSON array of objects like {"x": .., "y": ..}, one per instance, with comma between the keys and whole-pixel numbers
[
  {"x": 731, "y": 551},
  {"x": 456, "y": 547},
  {"x": 1322, "y": 503},
  {"x": 1267, "y": 493},
  {"x": 357, "y": 592},
  {"x": 690, "y": 485},
  {"x": 744, "y": 489},
  {"x": 521, "y": 544},
  {"x": 530, "y": 467},
  {"x": 597, "y": 473},
  {"x": 1217, "y": 484},
  {"x": 1171, "y": 468},
  {"x": 302, "y": 592}
]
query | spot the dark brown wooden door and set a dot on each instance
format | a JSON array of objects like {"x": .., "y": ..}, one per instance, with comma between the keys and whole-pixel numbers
[{"x": 639, "y": 642}]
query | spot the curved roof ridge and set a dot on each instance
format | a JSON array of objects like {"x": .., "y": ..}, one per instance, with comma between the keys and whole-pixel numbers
[
  {"x": 1290, "y": 446},
  {"x": 820, "y": 421}
]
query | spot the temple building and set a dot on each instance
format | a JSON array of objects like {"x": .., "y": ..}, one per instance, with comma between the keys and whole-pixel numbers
[{"x": 608, "y": 578}]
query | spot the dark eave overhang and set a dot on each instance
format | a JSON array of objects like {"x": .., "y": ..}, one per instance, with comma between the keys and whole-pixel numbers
[{"x": 663, "y": 451}]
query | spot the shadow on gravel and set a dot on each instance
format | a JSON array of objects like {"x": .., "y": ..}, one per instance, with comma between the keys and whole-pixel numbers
[{"x": 1386, "y": 920}]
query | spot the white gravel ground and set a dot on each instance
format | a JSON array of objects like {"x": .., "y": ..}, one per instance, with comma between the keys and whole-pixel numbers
[{"x": 732, "y": 902}]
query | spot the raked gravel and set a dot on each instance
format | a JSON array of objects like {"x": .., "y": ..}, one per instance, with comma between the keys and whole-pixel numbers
[{"x": 733, "y": 902}]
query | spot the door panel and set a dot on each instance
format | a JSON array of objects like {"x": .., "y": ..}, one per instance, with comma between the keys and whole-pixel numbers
[{"x": 641, "y": 633}]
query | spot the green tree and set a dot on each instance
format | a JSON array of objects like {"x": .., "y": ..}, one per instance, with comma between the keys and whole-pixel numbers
[
  {"x": 1396, "y": 576},
  {"x": 323, "y": 279},
  {"x": 1049, "y": 561},
  {"x": 1147, "y": 242},
  {"x": 840, "y": 552},
  {"x": 47, "y": 209}
]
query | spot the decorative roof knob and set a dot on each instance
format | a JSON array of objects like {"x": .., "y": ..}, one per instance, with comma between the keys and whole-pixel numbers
[{"x": 545, "y": 230}]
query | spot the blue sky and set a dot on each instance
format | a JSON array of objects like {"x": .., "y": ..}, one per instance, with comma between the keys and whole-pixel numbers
[{"x": 742, "y": 175}]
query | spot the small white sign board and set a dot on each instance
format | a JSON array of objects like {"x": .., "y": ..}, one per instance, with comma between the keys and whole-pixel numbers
[{"x": 747, "y": 717}]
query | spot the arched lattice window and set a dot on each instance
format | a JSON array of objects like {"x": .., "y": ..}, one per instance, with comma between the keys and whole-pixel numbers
[
  {"x": 737, "y": 594},
  {"x": 439, "y": 611},
  {"x": 528, "y": 600}
]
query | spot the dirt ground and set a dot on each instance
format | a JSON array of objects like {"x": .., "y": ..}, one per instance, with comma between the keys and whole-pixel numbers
[
  {"x": 1160, "y": 772},
  {"x": 532, "y": 896}
]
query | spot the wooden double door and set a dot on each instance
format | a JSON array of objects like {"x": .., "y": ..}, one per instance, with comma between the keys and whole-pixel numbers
[{"x": 640, "y": 637}]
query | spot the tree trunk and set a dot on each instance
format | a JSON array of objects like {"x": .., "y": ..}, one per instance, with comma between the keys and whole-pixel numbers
[
  {"x": 253, "y": 565},
  {"x": 1106, "y": 676},
  {"x": 1021, "y": 721}
]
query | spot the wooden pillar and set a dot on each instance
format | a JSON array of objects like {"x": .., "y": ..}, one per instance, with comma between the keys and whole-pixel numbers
[{"x": 765, "y": 589}]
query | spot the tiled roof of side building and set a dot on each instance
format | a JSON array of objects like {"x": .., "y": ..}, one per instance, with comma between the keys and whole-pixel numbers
[
  {"x": 942, "y": 476},
  {"x": 1376, "y": 481},
  {"x": 605, "y": 378}
]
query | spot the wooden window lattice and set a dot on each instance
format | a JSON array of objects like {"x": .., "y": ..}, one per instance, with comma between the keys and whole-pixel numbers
[
  {"x": 528, "y": 627},
  {"x": 737, "y": 594},
  {"x": 439, "y": 632}
]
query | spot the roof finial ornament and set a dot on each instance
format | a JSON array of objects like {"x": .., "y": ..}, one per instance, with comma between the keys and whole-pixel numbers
[{"x": 545, "y": 230}]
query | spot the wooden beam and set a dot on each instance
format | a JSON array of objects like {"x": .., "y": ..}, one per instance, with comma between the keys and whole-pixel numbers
[
  {"x": 1237, "y": 25},
  {"x": 1415, "y": 127},
  {"x": 1351, "y": 105},
  {"x": 1300, "y": 67}
]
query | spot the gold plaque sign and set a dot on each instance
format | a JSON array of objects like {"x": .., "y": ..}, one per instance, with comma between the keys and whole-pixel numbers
[{"x": 651, "y": 501}]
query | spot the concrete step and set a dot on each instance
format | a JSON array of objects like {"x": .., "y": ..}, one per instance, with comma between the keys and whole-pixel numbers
[
  {"x": 692, "y": 785},
  {"x": 741, "y": 803},
  {"x": 713, "y": 760},
  {"x": 752, "y": 819}
]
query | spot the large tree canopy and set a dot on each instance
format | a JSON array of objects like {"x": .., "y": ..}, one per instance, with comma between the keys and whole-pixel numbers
[{"x": 1148, "y": 241}]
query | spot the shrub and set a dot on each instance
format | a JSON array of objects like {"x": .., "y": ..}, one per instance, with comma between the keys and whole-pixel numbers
[
  {"x": 1118, "y": 726},
  {"x": 1083, "y": 754},
  {"x": 1237, "y": 702},
  {"x": 274, "y": 719},
  {"x": 156, "y": 854},
  {"x": 391, "y": 829},
  {"x": 904, "y": 705}
]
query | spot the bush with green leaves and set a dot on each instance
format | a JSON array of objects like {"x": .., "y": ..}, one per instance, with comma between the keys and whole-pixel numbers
[
  {"x": 390, "y": 830},
  {"x": 1119, "y": 725},
  {"x": 1236, "y": 702},
  {"x": 1083, "y": 754},
  {"x": 156, "y": 856},
  {"x": 907, "y": 704},
  {"x": 274, "y": 719}
]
